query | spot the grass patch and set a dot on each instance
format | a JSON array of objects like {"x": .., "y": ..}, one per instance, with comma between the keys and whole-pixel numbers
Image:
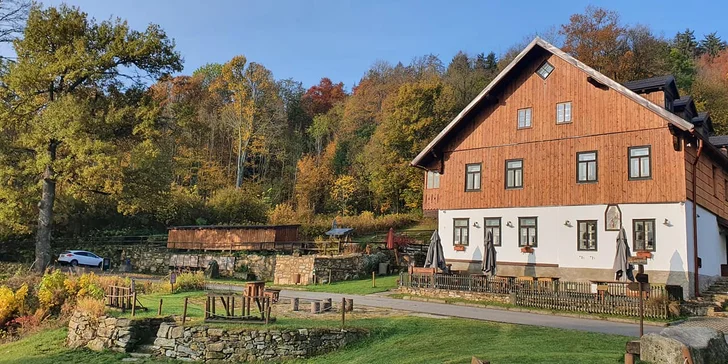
[
  {"x": 48, "y": 347},
  {"x": 358, "y": 287},
  {"x": 427, "y": 340},
  {"x": 393, "y": 339}
]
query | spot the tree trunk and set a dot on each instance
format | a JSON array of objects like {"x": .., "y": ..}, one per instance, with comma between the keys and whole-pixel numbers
[{"x": 45, "y": 213}]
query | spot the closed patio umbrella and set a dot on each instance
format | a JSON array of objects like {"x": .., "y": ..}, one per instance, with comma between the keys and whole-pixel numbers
[
  {"x": 622, "y": 268},
  {"x": 390, "y": 239},
  {"x": 489, "y": 255},
  {"x": 435, "y": 256}
]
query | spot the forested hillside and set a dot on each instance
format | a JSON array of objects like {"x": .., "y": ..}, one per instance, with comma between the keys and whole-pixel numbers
[{"x": 98, "y": 112}]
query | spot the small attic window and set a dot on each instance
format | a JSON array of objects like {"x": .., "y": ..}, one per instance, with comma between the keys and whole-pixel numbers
[{"x": 545, "y": 70}]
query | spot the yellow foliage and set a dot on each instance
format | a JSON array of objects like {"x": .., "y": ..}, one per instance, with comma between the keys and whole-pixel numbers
[
  {"x": 12, "y": 302},
  {"x": 283, "y": 213}
]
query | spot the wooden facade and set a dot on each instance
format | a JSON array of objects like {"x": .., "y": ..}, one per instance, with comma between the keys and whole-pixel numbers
[
  {"x": 230, "y": 237},
  {"x": 710, "y": 179},
  {"x": 602, "y": 120}
]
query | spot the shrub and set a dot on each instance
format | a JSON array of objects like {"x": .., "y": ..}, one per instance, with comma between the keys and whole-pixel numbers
[
  {"x": 371, "y": 261},
  {"x": 282, "y": 214},
  {"x": 11, "y": 303},
  {"x": 92, "y": 306},
  {"x": 182, "y": 207},
  {"x": 190, "y": 281},
  {"x": 236, "y": 206},
  {"x": 52, "y": 292}
]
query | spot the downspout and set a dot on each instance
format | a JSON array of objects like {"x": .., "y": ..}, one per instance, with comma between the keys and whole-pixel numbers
[{"x": 695, "y": 218}]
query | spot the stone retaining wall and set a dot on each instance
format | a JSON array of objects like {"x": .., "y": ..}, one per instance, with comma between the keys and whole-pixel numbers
[
  {"x": 294, "y": 270},
  {"x": 466, "y": 295},
  {"x": 204, "y": 343},
  {"x": 337, "y": 268},
  {"x": 106, "y": 332}
]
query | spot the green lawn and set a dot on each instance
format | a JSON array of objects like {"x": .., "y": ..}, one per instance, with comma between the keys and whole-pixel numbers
[
  {"x": 359, "y": 287},
  {"x": 398, "y": 339}
]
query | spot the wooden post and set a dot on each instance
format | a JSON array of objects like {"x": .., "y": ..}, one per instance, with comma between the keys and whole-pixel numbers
[
  {"x": 329, "y": 281},
  {"x": 294, "y": 304},
  {"x": 327, "y": 304},
  {"x": 315, "y": 307},
  {"x": 374, "y": 279},
  {"x": 159, "y": 311},
  {"x": 133, "y": 304},
  {"x": 207, "y": 307},
  {"x": 343, "y": 312},
  {"x": 267, "y": 311},
  {"x": 232, "y": 307},
  {"x": 350, "y": 304},
  {"x": 212, "y": 306},
  {"x": 184, "y": 312}
]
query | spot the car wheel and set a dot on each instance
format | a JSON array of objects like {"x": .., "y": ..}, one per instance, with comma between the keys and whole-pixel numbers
[
  {"x": 74, "y": 263},
  {"x": 99, "y": 265}
]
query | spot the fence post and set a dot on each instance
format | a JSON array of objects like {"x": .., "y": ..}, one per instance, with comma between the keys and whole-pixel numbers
[
  {"x": 350, "y": 304},
  {"x": 343, "y": 312},
  {"x": 294, "y": 304},
  {"x": 184, "y": 312},
  {"x": 159, "y": 311},
  {"x": 374, "y": 280},
  {"x": 133, "y": 304}
]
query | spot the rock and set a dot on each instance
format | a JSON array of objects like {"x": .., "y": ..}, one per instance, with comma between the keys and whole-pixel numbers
[
  {"x": 163, "y": 330},
  {"x": 96, "y": 344},
  {"x": 706, "y": 345},
  {"x": 186, "y": 350},
  {"x": 176, "y": 332},
  {"x": 219, "y": 346},
  {"x": 214, "y": 355},
  {"x": 215, "y": 332},
  {"x": 164, "y": 343}
]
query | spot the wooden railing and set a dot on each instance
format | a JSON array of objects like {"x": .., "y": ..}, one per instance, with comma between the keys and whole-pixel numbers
[
  {"x": 606, "y": 298},
  {"x": 123, "y": 298},
  {"x": 222, "y": 307}
]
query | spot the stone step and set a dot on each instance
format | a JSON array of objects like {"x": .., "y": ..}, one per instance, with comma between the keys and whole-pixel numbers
[
  {"x": 147, "y": 349},
  {"x": 129, "y": 359},
  {"x": 140, "y": 355}
]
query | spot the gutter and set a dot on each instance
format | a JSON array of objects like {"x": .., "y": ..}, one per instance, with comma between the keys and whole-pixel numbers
[{"x": 696, "y": 275}]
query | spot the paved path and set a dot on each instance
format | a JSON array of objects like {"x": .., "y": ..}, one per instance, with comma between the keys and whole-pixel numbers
[{"x": 477, "y": 313}]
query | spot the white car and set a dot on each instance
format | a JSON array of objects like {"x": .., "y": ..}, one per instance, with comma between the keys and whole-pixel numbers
[{"x": 80, "y": 257}]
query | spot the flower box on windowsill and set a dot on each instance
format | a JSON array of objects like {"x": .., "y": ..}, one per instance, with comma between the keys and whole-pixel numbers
[
  {"x": 527, "y": 249},
  {"x": 644, "y": 254},
  {"x": 459, "y": 248}
]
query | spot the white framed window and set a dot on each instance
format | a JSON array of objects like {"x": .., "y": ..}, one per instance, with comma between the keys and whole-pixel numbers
[
  {"x": 545, "y": 70},
  {"x": 524, "y": 118},
  {"x": 563, "y": 113},
  {"x": 433, "y": 180}
]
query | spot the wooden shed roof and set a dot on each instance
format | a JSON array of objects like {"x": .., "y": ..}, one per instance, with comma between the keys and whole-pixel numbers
[
  {"x": 431, "y": 151},
  {"x": 228, "y": 227}
]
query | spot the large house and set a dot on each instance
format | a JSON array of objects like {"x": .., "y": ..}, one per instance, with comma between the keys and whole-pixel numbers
[{"x": 554, "y": 157}]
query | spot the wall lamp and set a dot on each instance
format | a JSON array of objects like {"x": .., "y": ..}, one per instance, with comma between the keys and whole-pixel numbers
[
  {"x": 666, "y": 222},
  {"x": 475, "y": 225},
  {"x": 567, "y": 223},
  {"x": 509, "y": 224}
]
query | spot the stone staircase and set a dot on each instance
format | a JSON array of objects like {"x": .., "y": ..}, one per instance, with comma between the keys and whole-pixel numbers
[
  {"x": 142, "y": 352},
  {"x": 712, "y": 302}
]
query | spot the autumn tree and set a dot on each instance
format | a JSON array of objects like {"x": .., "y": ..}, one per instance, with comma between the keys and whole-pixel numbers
[
  {"x": 320, "y": 98},
  {"x": 69, "y": 108},
  {"x": 253, "y": 106}
]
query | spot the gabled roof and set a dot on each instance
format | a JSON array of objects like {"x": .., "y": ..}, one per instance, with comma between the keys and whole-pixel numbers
[
  {"x": 666, "y": 82},
  {"x": 719, "y": 140},
  {"x": 592, "y": 74}
]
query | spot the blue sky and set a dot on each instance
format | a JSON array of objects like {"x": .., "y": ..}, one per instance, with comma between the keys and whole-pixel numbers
[{"x": 341, "y": 39}]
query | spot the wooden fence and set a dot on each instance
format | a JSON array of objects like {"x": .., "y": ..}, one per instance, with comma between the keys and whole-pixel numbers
[
  {"x": 606, "y": 298},
  {"x": 124, "y": 298},
  {"x": 252, "y": 308}
]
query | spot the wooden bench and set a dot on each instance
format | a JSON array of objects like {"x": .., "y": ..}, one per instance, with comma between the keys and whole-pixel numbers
[{"x": 420, "y": 270}]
